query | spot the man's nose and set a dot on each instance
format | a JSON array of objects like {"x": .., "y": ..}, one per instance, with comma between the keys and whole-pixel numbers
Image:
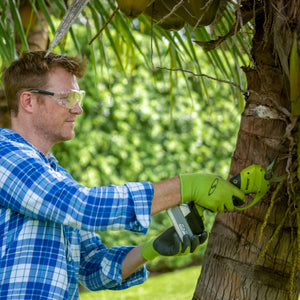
[{"x": 76, "y": 109}]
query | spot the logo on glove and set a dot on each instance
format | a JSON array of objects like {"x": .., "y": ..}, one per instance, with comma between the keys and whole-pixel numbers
[{"x": 213, "y": 186}]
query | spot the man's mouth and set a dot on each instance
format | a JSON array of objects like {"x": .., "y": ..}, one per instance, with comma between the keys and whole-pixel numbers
[{"x": 71, "y": 122}]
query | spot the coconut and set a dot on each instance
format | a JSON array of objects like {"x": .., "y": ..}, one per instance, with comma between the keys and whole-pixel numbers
[
  {"x": 197, "y": 13},
  {"x": 133, "y": 8},
  {"x": 160, "y": 14}
]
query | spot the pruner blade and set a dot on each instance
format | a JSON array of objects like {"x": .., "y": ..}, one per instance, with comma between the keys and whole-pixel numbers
[{"x": 270, "y": 170}]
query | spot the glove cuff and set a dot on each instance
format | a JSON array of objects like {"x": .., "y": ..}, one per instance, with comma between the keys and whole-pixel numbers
[
  {"x": 148, "y": 251},
  {"x": 185, "y": 185}
]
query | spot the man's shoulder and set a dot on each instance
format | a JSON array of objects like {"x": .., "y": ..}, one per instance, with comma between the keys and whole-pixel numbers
[
  {"x": 12, "y": 142},
  {"x": 9, "y": 136}
]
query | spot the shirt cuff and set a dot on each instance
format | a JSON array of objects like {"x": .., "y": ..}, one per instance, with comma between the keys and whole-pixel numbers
[
  {"x": 109, "y": 273},
  {"x": 142, "y": 195}
]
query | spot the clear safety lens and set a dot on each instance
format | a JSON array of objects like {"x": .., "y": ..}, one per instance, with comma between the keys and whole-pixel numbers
[{"x": 71, "y": 98}]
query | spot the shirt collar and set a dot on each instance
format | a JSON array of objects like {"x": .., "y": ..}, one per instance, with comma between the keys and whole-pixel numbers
[{"x": 14, "y": 136}]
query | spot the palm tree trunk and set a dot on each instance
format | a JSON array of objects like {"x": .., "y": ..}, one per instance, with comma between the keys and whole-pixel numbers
[
  {"x": 230, "y": 270},
  {"x": 37, "y": 38}
]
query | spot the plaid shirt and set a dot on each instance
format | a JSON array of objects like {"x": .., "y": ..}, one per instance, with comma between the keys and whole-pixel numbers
[{"x": 47, "y": 225}]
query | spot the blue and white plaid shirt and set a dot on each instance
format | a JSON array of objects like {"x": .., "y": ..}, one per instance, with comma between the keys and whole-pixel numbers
[{"x": 47, "y": 225}]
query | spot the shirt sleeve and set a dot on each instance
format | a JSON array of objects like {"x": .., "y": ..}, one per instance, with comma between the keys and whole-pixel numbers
[
  {"x": 100, "y": 267},
  {"x": 30, "y": 186}
]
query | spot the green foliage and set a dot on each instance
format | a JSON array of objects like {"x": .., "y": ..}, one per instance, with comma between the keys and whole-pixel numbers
[{"x": 130, "y": 132}]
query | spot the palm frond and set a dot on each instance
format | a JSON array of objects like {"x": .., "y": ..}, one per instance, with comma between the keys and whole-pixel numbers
[
  {"x": 72, "y": 13},
  {"x": 122, "y": 32}
]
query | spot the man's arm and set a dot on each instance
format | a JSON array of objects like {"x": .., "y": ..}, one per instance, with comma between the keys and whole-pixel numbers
[
  {"x": 208, "y": 191},
  {"x": 132, "y": 262},
  {"x": 167, "y": 193},
  {"x": 166, "y": 244},
  {"x": 43, "y": 190}
]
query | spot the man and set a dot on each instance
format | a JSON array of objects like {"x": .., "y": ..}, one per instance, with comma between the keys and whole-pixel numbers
[{"x": 47, "y": 220}]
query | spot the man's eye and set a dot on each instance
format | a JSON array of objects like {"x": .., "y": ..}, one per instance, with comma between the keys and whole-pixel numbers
[{"x": 64, "y": 100}]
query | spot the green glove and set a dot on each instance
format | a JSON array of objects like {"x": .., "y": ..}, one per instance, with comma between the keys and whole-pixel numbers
[
  {"x": 211, "y": 192},
  {"x": 169, "y": 244}
]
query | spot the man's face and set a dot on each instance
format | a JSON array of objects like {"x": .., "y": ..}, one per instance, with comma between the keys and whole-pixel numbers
[{"x": 53, "y": 122}]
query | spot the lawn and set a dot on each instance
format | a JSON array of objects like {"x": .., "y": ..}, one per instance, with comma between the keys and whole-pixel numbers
[{"x": 177, "y": 285}]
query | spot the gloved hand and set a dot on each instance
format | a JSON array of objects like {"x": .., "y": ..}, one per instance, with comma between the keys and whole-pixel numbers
[
  {"x": 169, "y": 244},
  {"x": 211, "y": 192}
]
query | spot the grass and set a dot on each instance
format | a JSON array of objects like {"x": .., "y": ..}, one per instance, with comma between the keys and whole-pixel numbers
[{"x": 177, "y": 285}]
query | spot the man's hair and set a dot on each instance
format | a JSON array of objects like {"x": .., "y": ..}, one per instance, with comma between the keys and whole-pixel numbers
[{"x": 31, "y": 71}]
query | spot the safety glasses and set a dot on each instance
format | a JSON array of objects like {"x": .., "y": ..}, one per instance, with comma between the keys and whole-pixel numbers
[{"x": 65, "y": 98}]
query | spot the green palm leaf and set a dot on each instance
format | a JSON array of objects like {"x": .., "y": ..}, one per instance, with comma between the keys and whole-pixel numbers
[{"x": 121, "y": 33}]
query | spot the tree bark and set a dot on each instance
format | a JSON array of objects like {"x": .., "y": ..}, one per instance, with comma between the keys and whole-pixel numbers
[
  {"x": 4, "y": 114},
  {"x": 37, "y": 38},
  {"x": 230, "y": 270}
]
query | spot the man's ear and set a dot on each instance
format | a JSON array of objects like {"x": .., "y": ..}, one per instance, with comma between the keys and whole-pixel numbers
[{"x": 26, "y": 99}]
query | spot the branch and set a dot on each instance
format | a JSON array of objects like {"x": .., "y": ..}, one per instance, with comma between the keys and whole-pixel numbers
[
  {"x": 105, "y": 24},
  {"x": 207, "y": 76},
  {"x": 242, "y": 17}
]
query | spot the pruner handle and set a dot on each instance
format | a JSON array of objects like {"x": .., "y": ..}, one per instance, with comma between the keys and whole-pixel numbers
[
  {"x": 177, "y": 216},
  {"x": 187, "y": 221}
]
